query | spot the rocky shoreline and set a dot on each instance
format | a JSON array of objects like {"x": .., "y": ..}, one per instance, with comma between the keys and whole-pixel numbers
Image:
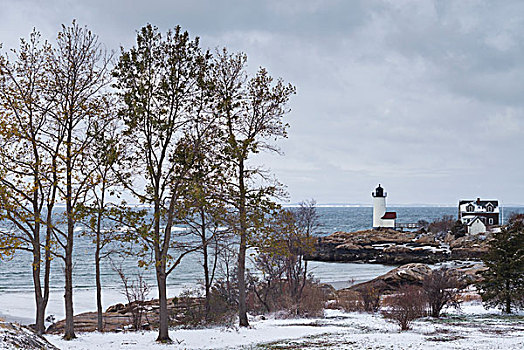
[
  {"x": 118, "y": 317},
  {"x": 390, "y": 247}
]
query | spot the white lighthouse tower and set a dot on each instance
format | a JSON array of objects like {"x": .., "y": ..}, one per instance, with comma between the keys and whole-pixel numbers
[{"x": 381, "y": 218}]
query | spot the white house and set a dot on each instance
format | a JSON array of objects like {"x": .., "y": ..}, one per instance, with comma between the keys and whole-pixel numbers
[
  {"x": 487, "y": 210},
  {"x": 381, "y": 217},
  {"x": 479, "y": 215},
  {"x": 476, "y": 226}
]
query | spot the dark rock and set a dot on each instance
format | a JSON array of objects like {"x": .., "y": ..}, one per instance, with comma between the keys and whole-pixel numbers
[
  {"x": 405, "y": 274},
  {"x": 413, "y": 274},
  {"x": 13, "y": 336},
  {"x": 116, "y": 308},
  {"x": 395, "y": 248}
]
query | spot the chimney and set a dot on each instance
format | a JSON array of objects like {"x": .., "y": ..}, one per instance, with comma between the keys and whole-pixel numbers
[{"x": 478, "y": 201}]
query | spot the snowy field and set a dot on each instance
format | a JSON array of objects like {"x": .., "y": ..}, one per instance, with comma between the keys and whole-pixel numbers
[{"x": 469, "y": 328}]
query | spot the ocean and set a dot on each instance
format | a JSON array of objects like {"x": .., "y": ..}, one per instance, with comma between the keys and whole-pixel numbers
[{"x": 17, "y": 301}]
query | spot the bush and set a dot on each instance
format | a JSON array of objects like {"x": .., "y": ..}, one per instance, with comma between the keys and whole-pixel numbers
[
  {"x": 370, "y": 298},
  {"x": 442, "y": 225},
  {"x": 349, "y": 301},
  {"x": 275, "y": 296},
  {"x": 406, "y": 306},
  {"x": 136, "y": 291},
  {"x": 441, "y": 288},
  {"x": 222, "y": 311},
  {"x": 313, "y": 300}
]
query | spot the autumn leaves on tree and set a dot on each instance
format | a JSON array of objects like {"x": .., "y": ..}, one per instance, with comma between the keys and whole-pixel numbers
[{"x": 170, "y": 124}]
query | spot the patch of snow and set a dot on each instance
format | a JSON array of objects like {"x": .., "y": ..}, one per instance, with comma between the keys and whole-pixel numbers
[{"x": 472, "y": 327}]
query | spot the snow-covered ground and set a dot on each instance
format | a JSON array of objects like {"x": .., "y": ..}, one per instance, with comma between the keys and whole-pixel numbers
[{"x": 469, "y": 328}]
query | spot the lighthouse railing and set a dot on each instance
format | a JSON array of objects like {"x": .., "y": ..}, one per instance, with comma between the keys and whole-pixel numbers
[{"x": 407, "y": 225}]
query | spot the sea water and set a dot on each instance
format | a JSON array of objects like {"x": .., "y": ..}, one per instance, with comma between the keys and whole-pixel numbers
[{"x": 16, "y": 287}]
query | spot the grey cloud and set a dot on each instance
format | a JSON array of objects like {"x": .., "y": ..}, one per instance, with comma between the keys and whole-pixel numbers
[{"x": 424, "y": 97}]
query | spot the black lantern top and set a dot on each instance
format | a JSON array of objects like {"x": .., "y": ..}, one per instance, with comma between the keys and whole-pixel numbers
[{"x": 379, "y": 192}]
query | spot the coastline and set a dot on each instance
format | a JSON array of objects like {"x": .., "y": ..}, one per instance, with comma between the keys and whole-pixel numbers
[{"x": 19, "y": 305}]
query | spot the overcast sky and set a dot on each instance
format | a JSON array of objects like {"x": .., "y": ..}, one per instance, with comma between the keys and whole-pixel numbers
[{"x": 424, "y": 97}]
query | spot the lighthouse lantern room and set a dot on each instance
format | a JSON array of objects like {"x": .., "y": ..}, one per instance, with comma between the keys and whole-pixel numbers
[{"x": 382, "y": 218}]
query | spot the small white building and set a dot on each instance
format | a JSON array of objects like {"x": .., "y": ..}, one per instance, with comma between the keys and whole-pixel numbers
[
  {"x": 381, "y": 217},
  {"x": 476, "y": 226}
]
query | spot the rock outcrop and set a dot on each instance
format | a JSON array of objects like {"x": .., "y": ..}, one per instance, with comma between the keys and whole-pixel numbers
[
  {"x": 14, "y": 336},
  {"x": 414, "y": 274},
  {"x": 119, "y": 317},
  {"x": 396, "y": 248}
]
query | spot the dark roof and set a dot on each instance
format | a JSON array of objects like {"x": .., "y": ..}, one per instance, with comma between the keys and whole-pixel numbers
[
  {"x": 473, "y": 220},
  {"x": 389, "y": 215},
  {"x": 482, "y": 203}
]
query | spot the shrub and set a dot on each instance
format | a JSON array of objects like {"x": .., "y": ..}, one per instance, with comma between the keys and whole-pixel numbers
[
  {"x": 313, "y": 300},
  {"x": 276, "y": 296},
  {"x": 442, "y": 225},
  {"x": 136, "y": 291},
  {"x": 370, "y": 298},
  {"x": 349, "y": 300},
  {"x": 221, "y": 310},
  {"x": 441, "y": 288},
  {"x": 406, "y": 306}
]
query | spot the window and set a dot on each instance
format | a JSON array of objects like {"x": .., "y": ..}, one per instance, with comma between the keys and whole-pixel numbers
[
  {"x": 490, "y": 208},
  {"x": 469, "y": 208},
  {"x": 491, "y": 221}
]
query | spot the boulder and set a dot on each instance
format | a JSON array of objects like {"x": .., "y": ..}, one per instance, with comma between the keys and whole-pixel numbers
[
  {"x": 116, "y": 308},
  {"x": 14, "y": 336},
  {"x": 406, "y": 274}
]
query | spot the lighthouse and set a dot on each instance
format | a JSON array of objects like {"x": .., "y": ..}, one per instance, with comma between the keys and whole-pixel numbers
[{"x": 381, "y": 218}]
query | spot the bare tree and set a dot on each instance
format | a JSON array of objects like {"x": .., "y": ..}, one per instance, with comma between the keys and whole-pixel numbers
[
  {"x": 407, "y": 305},
  {"x": 135, "y": 291},
  {"x": 308, "y": 221},
  {"x": 26, "y": 192},
  {"x": 441, "y": 288},
  {"x": 94, "y": 212},
  {"x": 78, "y": 78},
  {"x": 251, "y": 111}
]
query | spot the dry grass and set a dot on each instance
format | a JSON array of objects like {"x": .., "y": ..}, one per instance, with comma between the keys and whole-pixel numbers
[
  {"x": 470, "y": 296},
  {"x": 349, "y": 301}
]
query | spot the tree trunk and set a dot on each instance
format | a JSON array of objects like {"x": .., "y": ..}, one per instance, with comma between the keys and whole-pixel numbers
[
  {"x": 69, "y": 324},
  {"x": 508, "y": 298},
  {"x": 242, "y": 307},
  {"x": 40, "y": 307},
  {"x": 47, "y": 256},
  {"x": 207, "y": 281},
  {"x": 99, "y": 310},
  {"x": 48, "y": 234},
  {"x": 163, "y": 326},
  {"x": 40, "y": 314}
]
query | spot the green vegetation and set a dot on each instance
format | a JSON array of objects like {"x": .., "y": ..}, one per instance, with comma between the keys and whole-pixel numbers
[{"x": 503, "y": 284}]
